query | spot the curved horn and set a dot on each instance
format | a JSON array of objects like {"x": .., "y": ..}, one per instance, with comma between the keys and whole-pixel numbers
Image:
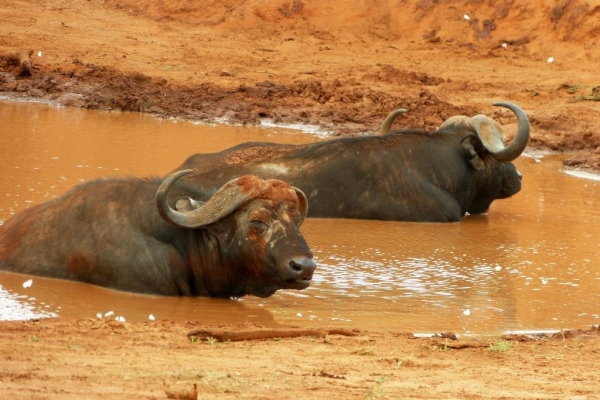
[
  {"x": 518, "y": 144},
  {"x": 226, "y": 200},
  {"x": 490, "y": 134},
  {"x": 389, "y": 120},
  {"x": 302, "y": 204}
]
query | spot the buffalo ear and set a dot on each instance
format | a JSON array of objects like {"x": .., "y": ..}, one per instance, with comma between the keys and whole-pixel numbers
[
  {"x": 187, "y": 204},
  {"x": 473, "y": 145}
]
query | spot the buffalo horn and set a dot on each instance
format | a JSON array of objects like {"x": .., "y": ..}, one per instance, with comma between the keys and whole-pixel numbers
[
  {"x": 518, "y": 144},
  {"x": 490, "y": 134},
  {"x": 226, "y": 200},
  {"x": 389, "y": 120},
  {"x": 222, "y": 203},
  {"x": 302, "y": 204}
]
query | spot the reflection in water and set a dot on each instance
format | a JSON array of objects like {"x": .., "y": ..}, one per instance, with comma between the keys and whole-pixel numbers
[
  {"x": 529, "y": 264},
  {"x": 20, "y": 307}
]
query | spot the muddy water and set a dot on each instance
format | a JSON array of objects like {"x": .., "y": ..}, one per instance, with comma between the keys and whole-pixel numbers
[{"x": 531, "y": 264}]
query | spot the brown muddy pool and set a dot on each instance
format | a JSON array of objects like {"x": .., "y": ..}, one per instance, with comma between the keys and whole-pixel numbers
[{"x": 532, "y": 263}]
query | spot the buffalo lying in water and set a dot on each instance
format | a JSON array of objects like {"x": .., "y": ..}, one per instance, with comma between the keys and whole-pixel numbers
[
  {"x": 403, "y": 175},
  {"x": 122, "y": 234}
]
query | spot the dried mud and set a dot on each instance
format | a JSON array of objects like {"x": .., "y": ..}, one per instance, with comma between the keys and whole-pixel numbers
[
  {"x": 81, "y": 359},
  {"x": 339, "y": 66}
]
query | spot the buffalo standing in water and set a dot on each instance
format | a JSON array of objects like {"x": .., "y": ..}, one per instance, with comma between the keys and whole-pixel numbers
[
  {"x": 122, "y": 234},
  {"x": 406, "y": 175}
]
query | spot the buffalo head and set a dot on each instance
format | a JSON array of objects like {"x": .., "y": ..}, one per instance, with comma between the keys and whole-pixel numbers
[
  {"x": 483, "y": 142},
  {"x": 483, "y": 139},
  {"x": 256, "y": 223}
]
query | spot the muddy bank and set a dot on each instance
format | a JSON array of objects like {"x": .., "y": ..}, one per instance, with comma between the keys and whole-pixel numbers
[
  {"x": 337, "y": 67},
  {"x": 90, "y": 359},
  {"x": 341, "y": 107}
]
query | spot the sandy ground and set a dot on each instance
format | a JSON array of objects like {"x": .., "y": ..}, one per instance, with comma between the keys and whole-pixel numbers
[
  {"x": 61, "y": 359},
  {"x": 338, "y": 65}
]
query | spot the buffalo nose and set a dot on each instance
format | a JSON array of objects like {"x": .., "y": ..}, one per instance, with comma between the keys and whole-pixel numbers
[{"x": 302, "y": 266}]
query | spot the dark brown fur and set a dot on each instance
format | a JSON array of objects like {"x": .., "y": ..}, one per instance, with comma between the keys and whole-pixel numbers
[{"x": 110, "y": 233}]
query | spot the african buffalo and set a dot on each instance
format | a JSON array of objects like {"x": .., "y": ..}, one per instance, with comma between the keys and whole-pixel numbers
[
  {"x": 404, "y": 175},
  {"x": 123, "y": 234}
]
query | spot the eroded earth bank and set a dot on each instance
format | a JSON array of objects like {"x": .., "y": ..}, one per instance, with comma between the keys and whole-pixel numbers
[{"x": 341, "y": 66}]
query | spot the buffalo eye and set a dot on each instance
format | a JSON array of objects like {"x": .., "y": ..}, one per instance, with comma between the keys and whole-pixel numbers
[{"x": 258, "y": 225}]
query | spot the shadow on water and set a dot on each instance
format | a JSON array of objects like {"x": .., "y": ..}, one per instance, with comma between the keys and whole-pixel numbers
[{"x": 530, "y": 264}]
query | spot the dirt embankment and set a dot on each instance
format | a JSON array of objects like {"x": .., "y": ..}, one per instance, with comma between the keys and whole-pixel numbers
[
  {"x": 344, "y": 67},
  {"x": 301, "y": 61},
  {"x": 93, "y": 359}
]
